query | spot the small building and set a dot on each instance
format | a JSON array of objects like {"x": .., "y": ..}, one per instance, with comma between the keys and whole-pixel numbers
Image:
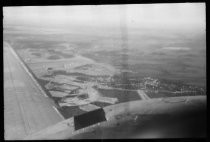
[
  {"x": 75, "y": 91},
  {"x": 49, "y": 70}
]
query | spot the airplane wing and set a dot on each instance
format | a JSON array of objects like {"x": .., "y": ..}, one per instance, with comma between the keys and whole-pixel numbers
[
  {"x": 26, "y": 108},
  {"x": 176, "y": 117}
]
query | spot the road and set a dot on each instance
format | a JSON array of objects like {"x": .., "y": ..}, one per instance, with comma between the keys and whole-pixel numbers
[
  {"x": 26, "y": 108},
  {"x": 143, "y": 95}
]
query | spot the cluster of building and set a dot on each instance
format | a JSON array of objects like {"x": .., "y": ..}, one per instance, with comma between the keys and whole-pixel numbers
[{"x": 149, "y": 82}]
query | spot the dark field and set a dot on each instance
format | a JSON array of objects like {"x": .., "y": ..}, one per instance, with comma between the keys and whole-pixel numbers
[
  {"x": 81, "y": 77},
  {"x": 100, "y": 104},
  {"x": 162, "y": 94},
  {"x": 59, "y": 53},
  {"x": 37, "y": 54},
  {"x": 53, "y": 57},
  {"x": 68, "y": 112},
  {"x": 121, "y": 95}
]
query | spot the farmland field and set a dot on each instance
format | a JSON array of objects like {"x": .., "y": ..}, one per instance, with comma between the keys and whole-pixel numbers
[{"x": 122, "y": 95}]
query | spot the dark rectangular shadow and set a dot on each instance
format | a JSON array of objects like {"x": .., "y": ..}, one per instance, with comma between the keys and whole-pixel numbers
[{"x": 89, "y": 118}]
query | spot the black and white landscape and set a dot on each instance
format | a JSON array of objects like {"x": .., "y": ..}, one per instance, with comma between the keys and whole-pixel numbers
[{"x": 109, "y": 57}]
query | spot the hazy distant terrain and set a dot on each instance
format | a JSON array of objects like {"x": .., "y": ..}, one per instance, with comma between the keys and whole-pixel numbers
[
  {"x": 168, "y": 55},
  {"x": 87, "y": 71}
]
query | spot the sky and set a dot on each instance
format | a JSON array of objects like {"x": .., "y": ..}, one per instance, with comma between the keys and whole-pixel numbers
[{"x": 182, "y": 15}]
